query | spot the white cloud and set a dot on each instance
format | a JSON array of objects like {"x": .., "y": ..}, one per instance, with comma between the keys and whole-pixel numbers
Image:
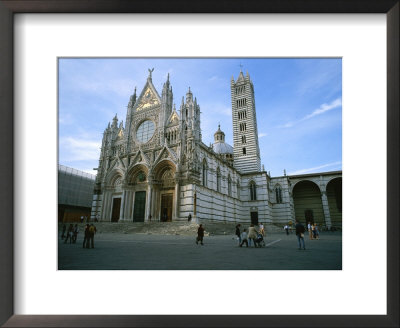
[
  {"x": 309, "y": 170},
  {"x": 79, "y": 149},
  {"x": 262, "y": 134},
  {"x": 324, "y": 108},
  {"x": 120, "y": 87},
  {"x": 65, "y": 119},
  {"x": 321, "y": 110}
]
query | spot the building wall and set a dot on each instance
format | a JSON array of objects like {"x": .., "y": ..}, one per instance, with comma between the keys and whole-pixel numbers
[
  {"x": 75, "y": 191},
  {"x": 282, "y": 212}
]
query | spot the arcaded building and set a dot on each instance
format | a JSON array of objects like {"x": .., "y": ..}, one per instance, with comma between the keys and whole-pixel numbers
[{"x": 156, "y": 167}]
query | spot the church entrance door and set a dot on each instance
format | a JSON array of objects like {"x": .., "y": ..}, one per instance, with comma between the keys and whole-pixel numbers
[
  {"x": 254, "y": 217},
  {"x": 309, "y": 216},
  {"x": 139, "y": 206},
  {"x": 115, "y": 209},
  {"x": 166, "y": 207}
]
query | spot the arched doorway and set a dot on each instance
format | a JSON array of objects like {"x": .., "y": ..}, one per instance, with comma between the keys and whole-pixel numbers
[
  {"x": 334, "y": 194},
  {"x": 111, "y": 204},
  {"x": 164, "y": 188},
  {"x": 308, "y": 203},
  {"x": 137, "y": 185}
]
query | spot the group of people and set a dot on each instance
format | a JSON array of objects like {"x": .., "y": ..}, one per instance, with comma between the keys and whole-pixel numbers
[
  {"x": 313, "y": 231},
  {"x": 87, "y": 219},
  {"x": 300, "y": 231},
  {"x": 71, "y": 234},
  {"x": 254, "y": 234}
]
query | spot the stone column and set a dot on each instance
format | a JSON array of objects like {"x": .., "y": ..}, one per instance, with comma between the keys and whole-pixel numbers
[
  {"x": 149, "y": 199},
  {"x": 103, "y": 206},
  {"x": 292, "y": 209},
  {"x": 122, "y": 208},
  {"x": 109, "y": 206},
  {"x": 106, "y": 201},
  {"x": 153, "y": 204},
  {"x": 177, "y": 197},
  {"x": 128, "y": 204},
  {"x": 325, "y": 207}
]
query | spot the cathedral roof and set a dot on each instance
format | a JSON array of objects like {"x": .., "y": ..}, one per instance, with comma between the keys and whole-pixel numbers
[{"x": 222, "y": 148}]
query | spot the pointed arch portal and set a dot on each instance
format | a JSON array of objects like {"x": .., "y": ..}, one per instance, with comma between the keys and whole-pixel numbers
[{"x": 164, "y": 191}]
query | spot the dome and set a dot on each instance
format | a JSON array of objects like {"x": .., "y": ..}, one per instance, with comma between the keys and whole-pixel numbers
[
  {"x": 219, "y": 146},
  {"x": 222, "y": 148}
]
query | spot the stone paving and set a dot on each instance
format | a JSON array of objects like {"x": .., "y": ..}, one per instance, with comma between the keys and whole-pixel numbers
[{"x": 139, "y": 251}]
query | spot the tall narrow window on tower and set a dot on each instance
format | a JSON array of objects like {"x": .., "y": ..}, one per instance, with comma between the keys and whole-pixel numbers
[
  {"x": 204, "y": 173},
  {"x": 244, "y": 151},
  {"x": 253, "y": 190},
  {"x": 278, "y": 194}
]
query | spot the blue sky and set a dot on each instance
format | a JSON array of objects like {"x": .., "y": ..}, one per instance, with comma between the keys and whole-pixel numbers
[{"x": 298, "y": 105}]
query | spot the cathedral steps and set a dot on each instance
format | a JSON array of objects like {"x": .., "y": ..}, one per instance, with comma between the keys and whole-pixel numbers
[{"x": 172, "y": 228}]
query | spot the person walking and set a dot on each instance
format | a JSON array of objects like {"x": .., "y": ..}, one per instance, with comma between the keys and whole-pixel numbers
[
  {"x": 252, "y": 234},
  {"x": 300, "y": 234},
  {"x": 286, "y": 227},
  {"x": 64, "y": 228},
  {"x": 200, "y": 235},
  {"x": 244, "y": 239},
  {"x": 86, "y": 236},
  {"x": 309, "y": 228},
  {"x": 69, "y": 234},
  {"x": 262, "y": 231},
  {"x": 92, "y": 231},
  {"x": 315, "y": 231},
  {"x": 75, "y": 234},
  {"x": 237, "y": 233}
]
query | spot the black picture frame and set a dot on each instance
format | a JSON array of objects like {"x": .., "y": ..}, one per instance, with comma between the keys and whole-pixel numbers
[{"x": 10, "y": 7}]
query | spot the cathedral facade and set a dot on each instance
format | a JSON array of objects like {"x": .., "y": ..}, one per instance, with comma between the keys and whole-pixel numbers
[{"x": 156, "y": 168}]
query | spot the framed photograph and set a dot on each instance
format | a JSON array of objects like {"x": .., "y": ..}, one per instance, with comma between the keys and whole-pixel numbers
[
  {"x": 43, "y": 51},
  {"x": 170, "y": 172}
]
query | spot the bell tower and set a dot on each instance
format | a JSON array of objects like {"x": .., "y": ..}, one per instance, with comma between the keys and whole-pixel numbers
[{"x": 245, "y": 134}]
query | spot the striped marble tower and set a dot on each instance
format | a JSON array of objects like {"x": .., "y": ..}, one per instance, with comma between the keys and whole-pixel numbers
[{"x": 245, "y": 136}]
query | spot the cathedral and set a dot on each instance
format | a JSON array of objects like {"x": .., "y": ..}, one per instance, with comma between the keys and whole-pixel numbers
[{"x": 156, "y": 168}]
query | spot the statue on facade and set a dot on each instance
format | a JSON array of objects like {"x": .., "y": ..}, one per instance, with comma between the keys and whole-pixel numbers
[{"x": 150, "y": 71}]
